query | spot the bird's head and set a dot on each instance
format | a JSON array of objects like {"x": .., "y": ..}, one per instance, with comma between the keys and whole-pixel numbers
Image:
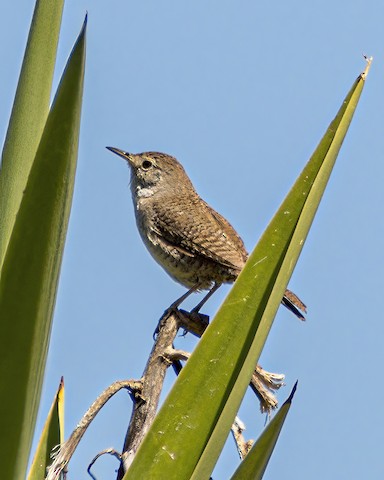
[{"x": 154, "y": 170}]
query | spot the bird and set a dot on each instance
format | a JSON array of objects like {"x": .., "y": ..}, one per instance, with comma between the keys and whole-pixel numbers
[{"x": 194, "y": 244}]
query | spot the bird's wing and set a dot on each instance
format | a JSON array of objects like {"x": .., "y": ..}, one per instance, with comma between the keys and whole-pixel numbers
[{"x": 200, "y": 231}]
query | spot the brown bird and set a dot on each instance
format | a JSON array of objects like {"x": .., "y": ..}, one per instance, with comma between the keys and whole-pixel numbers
[{"x": 195, "y": 245}]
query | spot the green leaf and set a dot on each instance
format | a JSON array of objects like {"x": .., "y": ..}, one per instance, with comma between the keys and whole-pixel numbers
[
  {"x": 254, "y": 464},
  {"x": 31, "y": 268},
  {"x": 29, "y": 113},
  {"x": 51, "y": 436},
  {"x": 189, "y": 432}
]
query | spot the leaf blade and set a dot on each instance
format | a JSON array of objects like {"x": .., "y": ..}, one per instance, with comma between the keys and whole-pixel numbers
[
  {"x": 255, "y": 463},
  {"x": 29, "y": 112},
  {"x": 31, "y": 267},
  {"x": 51, "y": 436},
  {"x": 319, "y": 169}
]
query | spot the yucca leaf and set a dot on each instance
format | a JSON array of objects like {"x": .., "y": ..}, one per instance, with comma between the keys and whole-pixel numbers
[
  {"x": 30, "y": 272},
  {"x": 51, "y": 436},
  {"x": 254, "y": 464},
  {"x": 29, "y": 112}
]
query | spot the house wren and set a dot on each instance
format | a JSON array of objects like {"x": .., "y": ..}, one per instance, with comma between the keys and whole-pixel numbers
[{"x": 195, "y": 245}]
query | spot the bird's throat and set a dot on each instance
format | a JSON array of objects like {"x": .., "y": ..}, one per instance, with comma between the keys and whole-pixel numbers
[{"x": 144, "y": 192}]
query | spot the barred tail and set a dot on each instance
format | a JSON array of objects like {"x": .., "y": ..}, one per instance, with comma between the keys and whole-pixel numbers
[{"x": 294, "y": 304}]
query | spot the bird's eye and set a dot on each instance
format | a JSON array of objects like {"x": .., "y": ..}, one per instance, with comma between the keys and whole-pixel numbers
[{"x": 146, "y": 164}]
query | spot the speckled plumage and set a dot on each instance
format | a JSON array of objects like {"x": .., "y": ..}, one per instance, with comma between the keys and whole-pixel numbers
[{"x": 191, "y": 241}]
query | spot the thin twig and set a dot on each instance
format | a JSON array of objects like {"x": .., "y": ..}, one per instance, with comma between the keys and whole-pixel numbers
[
  {"x": 107, "y": 451},
  {"x": 172, "y": 354},
  {"x": 66, "y": 450}
]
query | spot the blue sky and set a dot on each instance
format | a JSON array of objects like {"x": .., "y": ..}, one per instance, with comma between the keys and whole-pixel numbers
[{"x": 241, "y": 93}]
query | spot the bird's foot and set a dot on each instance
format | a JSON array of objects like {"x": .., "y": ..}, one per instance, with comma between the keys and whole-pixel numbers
[{"x": 171, "y": 310}]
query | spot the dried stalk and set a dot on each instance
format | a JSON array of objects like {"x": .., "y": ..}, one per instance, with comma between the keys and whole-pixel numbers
[
  {"x": 243, "y": 446},
  {"x": 145, "y": 393},
  {"x": 143, "y": 413},
  {"x": 162, "y": 355},
  {"x": 66, "y": 450}
]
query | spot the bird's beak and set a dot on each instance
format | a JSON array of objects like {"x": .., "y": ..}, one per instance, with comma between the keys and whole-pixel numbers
[{"x": 127, "y": 156}]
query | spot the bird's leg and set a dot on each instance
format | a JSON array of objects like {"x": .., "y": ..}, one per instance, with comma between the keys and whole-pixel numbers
[
  {"x": 207, "y": 296},
  {"x": 175, "y": 305}
]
